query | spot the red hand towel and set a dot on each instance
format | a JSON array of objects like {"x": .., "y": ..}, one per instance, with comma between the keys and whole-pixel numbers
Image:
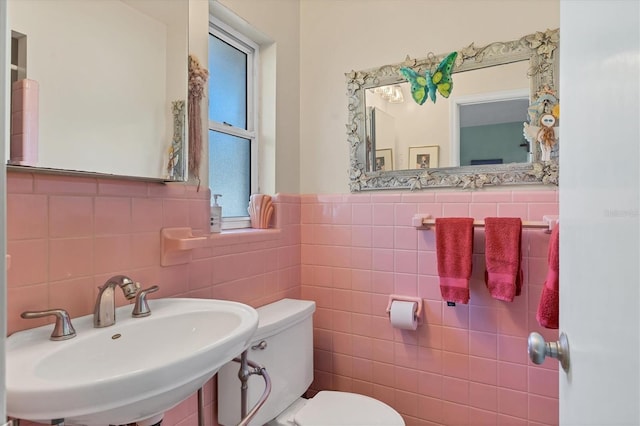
[
  {"x": 503, "y": 276},
  {"x": 549, "y": 307},
  {"x": 454, "y": 249}
]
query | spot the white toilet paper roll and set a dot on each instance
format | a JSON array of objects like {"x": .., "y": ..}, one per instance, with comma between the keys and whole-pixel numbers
[{"x": 403, "y": 315}]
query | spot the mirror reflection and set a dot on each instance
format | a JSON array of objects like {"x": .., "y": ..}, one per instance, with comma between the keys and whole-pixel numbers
[
  {"x": 489, "y": 130},
  {"x": 488, "y": 107},
  {"x": 106, "y": 74}
]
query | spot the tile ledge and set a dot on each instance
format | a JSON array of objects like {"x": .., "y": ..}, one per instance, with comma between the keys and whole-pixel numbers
[
  {"x": 244, "y": 235},
  {"x": 176, "y": 243}
]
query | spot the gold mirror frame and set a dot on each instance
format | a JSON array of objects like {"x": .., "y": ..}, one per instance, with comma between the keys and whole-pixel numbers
[{"x": 540, "y": 49}]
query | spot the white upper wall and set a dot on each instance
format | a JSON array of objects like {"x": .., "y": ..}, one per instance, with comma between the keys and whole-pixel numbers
[
  {"x": 338, "y": 36},
  {"x": 317, "y": 41}
]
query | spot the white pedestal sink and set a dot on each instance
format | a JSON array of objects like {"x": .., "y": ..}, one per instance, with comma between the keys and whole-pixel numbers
[{"x": 131, "y": 371}]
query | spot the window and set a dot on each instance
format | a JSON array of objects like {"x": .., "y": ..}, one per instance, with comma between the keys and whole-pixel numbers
[{"x": 232, "y": 122}]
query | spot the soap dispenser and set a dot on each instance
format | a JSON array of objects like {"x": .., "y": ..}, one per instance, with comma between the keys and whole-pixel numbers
[{"x": 215, "y": 219}]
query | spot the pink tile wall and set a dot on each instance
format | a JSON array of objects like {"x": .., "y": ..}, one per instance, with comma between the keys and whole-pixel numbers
[
  {"x": 468, "y": 364},
  {"x": 68, "y": 235},
  {"x": 465, "y": 365}
]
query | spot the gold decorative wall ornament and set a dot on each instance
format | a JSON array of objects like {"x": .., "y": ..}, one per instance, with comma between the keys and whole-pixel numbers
[
  {"x": 176, "y": 160},
  {"x": 197, "y": 83}
]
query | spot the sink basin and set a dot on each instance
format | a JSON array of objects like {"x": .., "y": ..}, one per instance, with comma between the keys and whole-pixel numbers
[{"x": 131, "y": 371}]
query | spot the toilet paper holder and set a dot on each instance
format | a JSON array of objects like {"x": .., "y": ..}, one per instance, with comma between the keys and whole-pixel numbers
[{"x": 418, "y": 300}]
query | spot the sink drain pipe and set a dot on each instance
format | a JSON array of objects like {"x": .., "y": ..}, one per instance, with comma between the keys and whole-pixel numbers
[{"x": 243, "y": 374}]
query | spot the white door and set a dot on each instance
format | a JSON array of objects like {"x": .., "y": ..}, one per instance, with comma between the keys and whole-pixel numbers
[{"x": 599, "y": 211}]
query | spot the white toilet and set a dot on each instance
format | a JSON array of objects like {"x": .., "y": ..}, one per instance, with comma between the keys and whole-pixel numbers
[{"x": 286, "y": 328}]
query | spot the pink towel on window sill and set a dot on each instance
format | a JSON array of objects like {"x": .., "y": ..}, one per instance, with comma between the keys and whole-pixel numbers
[
  {"x": 549, "y": 306},
  {"x": 503, "y": 256},
  {"x": 454, "y": 250}
]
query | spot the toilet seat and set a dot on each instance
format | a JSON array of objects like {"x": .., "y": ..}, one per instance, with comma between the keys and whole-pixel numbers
[{"x": 329, "y": 408}]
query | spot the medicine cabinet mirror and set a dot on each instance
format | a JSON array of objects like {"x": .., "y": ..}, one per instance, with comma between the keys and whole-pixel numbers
[
  {"x": 476, "y": 137},
  {"x": 112, "y": 84}
]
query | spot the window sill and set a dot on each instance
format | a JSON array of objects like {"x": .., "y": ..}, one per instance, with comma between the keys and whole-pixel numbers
[
  {"x": 176, "y": 243},
  {"x": 242, "y": 236}
]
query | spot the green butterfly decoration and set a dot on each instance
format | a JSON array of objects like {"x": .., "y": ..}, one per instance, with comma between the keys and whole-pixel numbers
[{"x": 423, "y": 87}]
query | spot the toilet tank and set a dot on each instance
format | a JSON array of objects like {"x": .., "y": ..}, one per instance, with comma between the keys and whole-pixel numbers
[{"x": 286, "y": 328}]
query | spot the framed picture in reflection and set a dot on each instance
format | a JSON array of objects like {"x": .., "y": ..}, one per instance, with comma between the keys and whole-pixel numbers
[
  {"x": 423, "y": 157},
  {"x": 384, "y": 160}
]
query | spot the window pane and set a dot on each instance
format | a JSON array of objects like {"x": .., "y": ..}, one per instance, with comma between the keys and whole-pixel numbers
[
  {"x": 229, "y": 161},
  {"x": 227, "y": 83}
]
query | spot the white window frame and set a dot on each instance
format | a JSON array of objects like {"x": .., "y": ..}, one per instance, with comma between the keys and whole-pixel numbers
[{"x": 243, "y": 43}]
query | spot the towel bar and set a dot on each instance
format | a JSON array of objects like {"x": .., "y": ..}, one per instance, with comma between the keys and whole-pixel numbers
[{"x": 425, "y": 222}]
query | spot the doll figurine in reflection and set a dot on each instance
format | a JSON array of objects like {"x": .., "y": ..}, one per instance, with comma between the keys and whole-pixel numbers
[{"x": 542, "y": 128}]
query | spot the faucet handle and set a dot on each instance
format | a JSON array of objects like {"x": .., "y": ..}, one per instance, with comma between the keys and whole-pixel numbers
[
  {"x": 63, "y": 329},
  {"x": 141, "y": 308}
]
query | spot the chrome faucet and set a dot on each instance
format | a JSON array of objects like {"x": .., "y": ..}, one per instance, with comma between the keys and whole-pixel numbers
[{"x": 104, "y": 313}]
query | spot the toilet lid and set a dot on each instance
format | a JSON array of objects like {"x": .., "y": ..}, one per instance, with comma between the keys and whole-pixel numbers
[{"x": 329, "y": 408}]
